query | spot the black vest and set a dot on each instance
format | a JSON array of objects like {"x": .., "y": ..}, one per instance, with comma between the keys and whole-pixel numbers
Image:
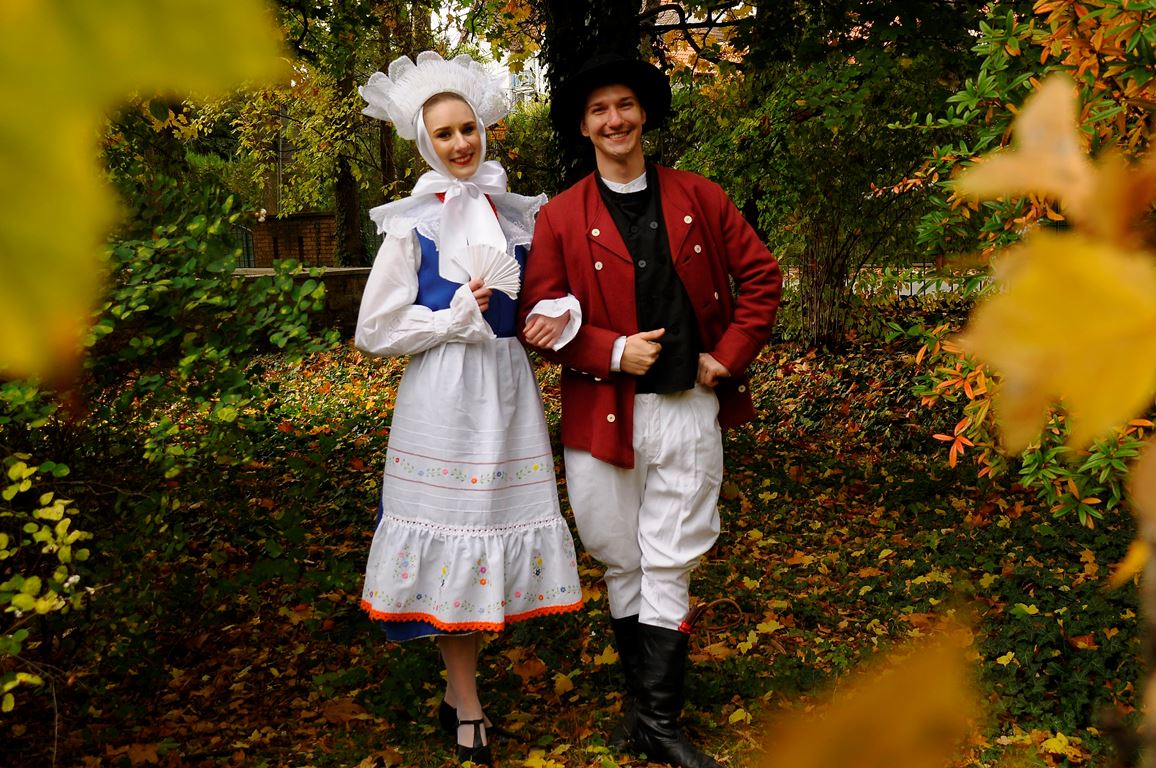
[{"x": 660, "y": 298}]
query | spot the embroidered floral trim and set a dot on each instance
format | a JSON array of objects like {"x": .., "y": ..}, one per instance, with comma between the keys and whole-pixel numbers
[
  {"x": 404, "y": 565},
  {"x": 476, "y": 626},
  {"x": 492, "y": 604},
  {"x": 482, "y": 571},
  {"x": 468, "y": 474}
]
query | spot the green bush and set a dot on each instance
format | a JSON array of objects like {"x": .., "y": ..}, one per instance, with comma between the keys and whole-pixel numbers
[
  {"x": 172, "y": 394},
  {"x": 40, "y": 548}
]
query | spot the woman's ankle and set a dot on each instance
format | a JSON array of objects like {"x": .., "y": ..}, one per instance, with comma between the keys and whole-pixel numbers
[{"x": 472, "y": 733}]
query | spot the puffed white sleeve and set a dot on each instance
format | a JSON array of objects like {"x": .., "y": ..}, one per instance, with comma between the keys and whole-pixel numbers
[
  {"x": 389, "y": 323},
  {"x": 556, "y": 308}
]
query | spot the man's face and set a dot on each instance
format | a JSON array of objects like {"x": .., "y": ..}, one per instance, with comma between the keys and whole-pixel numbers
[{"x": 613, "y": 122}]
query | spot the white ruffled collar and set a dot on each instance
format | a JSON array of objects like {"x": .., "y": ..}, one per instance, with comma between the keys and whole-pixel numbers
[{"x": 516, "y": 214}]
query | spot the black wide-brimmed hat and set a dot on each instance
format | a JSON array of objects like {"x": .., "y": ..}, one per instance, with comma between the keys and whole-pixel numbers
[{"x": 647, "y": 81}]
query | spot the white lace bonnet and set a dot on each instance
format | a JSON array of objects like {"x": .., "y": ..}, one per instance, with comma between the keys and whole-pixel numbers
[{"x": 399, "y": 97}]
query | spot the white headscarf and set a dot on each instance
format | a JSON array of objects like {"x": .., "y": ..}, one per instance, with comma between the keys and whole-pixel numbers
[{"x": 466, "y": 216}]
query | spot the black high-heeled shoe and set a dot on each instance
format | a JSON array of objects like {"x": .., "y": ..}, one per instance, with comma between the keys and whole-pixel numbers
[
  {"x": 478, "y": 753},
  {"x": 448, "y": 720}
]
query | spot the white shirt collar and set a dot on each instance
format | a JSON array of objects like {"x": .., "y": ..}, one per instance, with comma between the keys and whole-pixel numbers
[{"x": 637, "y": 185}]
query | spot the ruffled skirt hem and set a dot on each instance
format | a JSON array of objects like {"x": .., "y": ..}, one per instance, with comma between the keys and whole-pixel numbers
[{"x": 470, "y": 626}]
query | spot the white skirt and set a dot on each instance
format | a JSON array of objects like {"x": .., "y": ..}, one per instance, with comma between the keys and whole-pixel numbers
[{"x": 470, "y": 535}]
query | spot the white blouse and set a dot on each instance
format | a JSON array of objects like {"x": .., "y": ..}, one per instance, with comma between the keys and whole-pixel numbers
[{"x": 390, "y": 323}]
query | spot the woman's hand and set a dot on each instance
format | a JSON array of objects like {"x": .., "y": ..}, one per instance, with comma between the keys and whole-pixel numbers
[
  {"x": 481, "y": 294},
  {"x": 543, "y": 332}
]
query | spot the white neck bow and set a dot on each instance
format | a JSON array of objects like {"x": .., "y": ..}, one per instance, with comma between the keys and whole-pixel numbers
[{"x": 467, "y": 218}]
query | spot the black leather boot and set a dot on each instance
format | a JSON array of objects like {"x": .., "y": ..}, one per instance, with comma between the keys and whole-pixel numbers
[
  {"x": 629, "y": 647},
  {"x": 663, "y": 671}
]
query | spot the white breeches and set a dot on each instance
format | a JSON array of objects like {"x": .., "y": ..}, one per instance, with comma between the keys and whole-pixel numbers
[{"x": 650, "y": 525}]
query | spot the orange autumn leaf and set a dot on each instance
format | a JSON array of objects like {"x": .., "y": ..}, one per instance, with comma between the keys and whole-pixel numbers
[
  {"x": 529, "y": 669},
  {"x": 1084, "y": 643}
]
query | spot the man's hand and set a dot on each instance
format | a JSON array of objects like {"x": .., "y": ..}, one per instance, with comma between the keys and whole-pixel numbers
[
  {"x": 710, "y": 370},
  {"x": 641, "y": 351},
  {"x": 543, "y": 332},
  {"x": 481, "y": 295}
]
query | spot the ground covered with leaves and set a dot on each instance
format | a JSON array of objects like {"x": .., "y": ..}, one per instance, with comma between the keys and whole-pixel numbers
[{"x": 235, "y": 638}]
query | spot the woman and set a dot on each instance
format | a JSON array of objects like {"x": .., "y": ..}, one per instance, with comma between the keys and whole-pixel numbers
[{"x": 469, "y": 536}]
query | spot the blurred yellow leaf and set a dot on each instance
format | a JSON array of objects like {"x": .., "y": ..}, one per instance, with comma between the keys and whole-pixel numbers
[
  {"x": 887, "y": 716},
  {"x": 1101, "y": 362},
  {"x": 1133, "y": 562},
  {"x": 1047, "y": 155},
  {"x": 63, "y": 66}
]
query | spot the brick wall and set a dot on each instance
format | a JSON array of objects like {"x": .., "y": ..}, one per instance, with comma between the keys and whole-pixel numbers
[{"x": 310, "y": 238}]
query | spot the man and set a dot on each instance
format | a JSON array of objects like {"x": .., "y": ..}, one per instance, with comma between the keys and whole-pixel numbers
[{"x": 655, "y": 369}]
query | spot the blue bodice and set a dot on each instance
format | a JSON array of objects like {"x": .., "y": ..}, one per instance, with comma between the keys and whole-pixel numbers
[{"x": 435, "y": 292}]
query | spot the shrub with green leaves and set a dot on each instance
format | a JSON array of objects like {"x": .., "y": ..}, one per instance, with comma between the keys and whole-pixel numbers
[
  {"x": 171, "y": 395},
  {"x": 40, "y": 548}
]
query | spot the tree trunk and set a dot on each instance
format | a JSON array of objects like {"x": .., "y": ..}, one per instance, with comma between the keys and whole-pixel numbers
[
  {"x": 824, "y": 289},
  {"x": 575, "y": 31},
  {"x": 350, "y": 245},
  {"x": 387, "y": 162}
]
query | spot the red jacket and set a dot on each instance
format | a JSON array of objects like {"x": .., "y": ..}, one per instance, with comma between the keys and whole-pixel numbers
[{"x": 577, "y": 249}]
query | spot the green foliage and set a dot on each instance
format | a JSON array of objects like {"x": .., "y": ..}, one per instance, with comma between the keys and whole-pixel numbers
[
  {"x": 827, "y": 219},
  {"x": 171, "y": 392},
  {"x": 179, "y": 327},
  {"x": 40, "y": 548},
  {"x": 979, "y": 112},
  {"x": 525, "y": 148},
  {"x": 294, "y": 134}
]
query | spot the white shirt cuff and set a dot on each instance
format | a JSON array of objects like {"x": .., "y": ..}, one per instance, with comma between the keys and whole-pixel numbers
[
  {"x": 465, "y": 321},
  {"x": 616, "y": 354}
]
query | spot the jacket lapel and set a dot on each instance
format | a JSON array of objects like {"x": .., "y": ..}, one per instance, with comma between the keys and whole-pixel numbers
[
  {"x": 676, "y": 213},
  {"x": 601, "y": 230}
]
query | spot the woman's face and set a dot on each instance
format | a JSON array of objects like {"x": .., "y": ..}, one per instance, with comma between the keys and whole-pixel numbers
[{"x": 455, "y": 135}]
